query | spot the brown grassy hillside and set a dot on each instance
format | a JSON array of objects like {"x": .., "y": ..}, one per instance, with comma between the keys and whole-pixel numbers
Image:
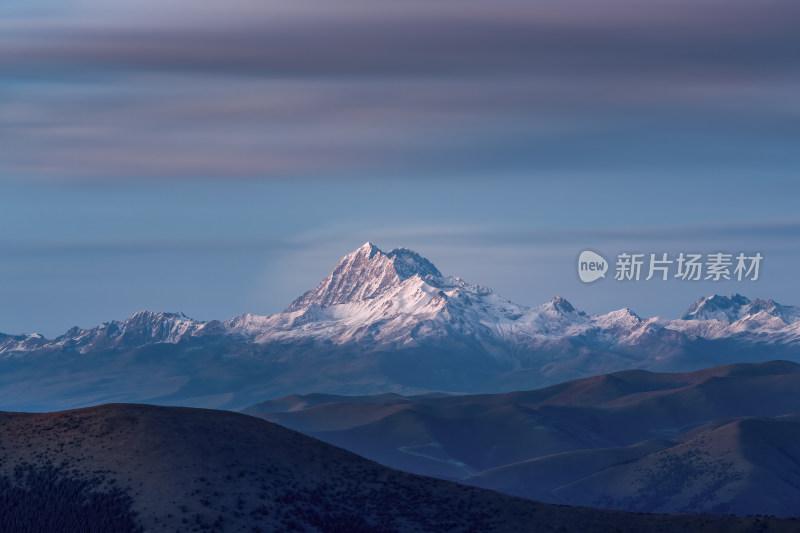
[{"x": 201, "y": 470}]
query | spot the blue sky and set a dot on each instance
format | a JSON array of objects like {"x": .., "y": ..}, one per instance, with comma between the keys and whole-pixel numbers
[{"x": 218, "y": 158}]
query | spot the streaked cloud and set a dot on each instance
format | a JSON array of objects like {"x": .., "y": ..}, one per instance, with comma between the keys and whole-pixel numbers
[
  {"x": 661, "y": 39},
  {"x": 329, "y": 89}
]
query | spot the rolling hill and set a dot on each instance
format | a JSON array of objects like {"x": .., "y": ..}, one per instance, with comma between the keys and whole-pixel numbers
[
  {"x": 139, "y": 468},
  {"x": 719, "y": 440}
]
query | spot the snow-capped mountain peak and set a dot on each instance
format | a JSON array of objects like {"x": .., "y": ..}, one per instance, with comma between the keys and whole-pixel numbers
[
  {"x": 560, "y": 305},
  {"x": 408, "y": 263},
  {"x": 141, "y": 328},
  {"x": 378, "y": 300},
  {"x": 391, "y": 321},
  {"x": 158, "y": 327},
  {"x": 364, "y": 274},
  {"x": 736, "y": 307},
  {"x": 716, "y": 307},
  {"x": 788, "y": 313}
]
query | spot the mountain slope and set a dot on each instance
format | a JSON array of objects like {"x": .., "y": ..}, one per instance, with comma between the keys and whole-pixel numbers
[
  {"x": 364, "y": 274},
  {"x": 606, "y": 441},
  {"x": 747, "y": 466},
  {"x": 139, "y": 329},
  {"x": 737, "y": 307},
  {"x": 190, "y": 469}
]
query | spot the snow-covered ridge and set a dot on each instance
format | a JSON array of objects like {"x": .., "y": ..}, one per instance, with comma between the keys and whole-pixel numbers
[
  {"x": 143, "y": 327},
  {"x": 366, "y": 273},
  {"x": 400, "y": 299},
  {"x": 737, "y": 307}
]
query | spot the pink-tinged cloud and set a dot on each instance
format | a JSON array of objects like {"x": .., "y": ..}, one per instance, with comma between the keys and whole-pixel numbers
[{"x": 276, "y": 89}]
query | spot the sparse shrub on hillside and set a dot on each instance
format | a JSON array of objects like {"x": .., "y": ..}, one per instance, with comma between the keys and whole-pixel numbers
[{"x": 45, "y": 499}]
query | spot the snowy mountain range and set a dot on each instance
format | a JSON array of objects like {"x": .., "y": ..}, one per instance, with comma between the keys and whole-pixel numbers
[
  {"x": 399, "y": 299},
  {"x": 391, "y": 321}
]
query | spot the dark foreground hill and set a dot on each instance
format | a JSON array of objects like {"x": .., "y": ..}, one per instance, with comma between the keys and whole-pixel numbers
[
  {"x": 132, "y": 468},
  {"x": 721, "y": 440}
]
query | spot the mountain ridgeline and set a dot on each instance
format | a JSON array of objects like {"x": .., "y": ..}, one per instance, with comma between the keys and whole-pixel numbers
[
  {"x": 366, "y": 274},
  {"x": 139, "y": 468},
  {"x": 380, "y": 322},
  {"x": 720, "y": 440}
]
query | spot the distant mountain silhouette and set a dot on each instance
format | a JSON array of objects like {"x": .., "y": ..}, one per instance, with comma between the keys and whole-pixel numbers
[
  {"x": 720, "y": 440},
  {"x": 180, "y": 469}
]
